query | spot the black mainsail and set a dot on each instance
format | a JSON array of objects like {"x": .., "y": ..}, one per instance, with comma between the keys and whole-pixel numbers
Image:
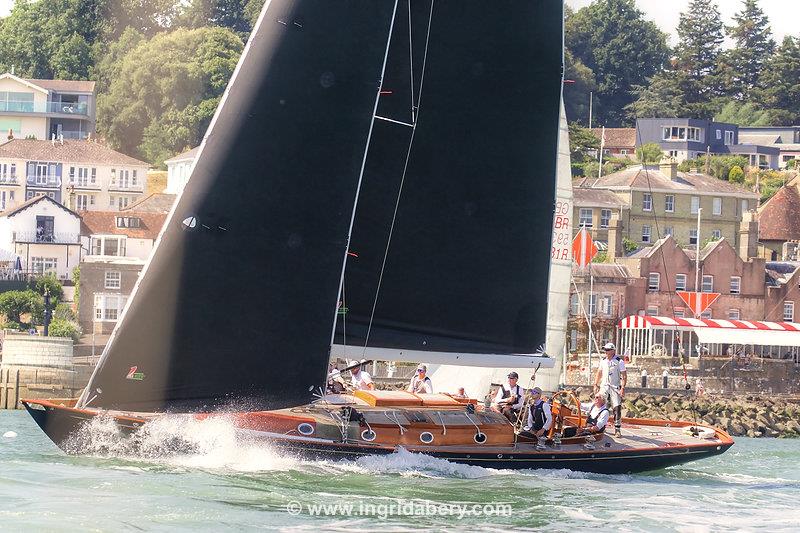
[
  {"x": 451, "y": 244},
  {"x": 239, "y": 297}
]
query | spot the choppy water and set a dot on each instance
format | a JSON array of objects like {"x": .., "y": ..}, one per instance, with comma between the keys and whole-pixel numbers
[{"x": 225, "y": 486}]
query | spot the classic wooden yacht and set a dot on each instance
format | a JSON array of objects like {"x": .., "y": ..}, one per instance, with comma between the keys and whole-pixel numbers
[{"x": 379, "y": 181}]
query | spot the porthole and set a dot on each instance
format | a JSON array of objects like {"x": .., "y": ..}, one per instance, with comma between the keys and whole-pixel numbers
[
  {"x": 426, "y": 437},
  {"x": 480, "y": 438},
  {"x": 305, "y": 429},
  {"x": 368, "y": 435}
]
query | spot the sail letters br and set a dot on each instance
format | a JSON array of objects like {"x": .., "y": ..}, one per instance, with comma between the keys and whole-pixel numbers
[{"x": 562, "y": 237}]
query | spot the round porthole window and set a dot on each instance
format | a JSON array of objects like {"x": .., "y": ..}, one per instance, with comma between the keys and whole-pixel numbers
[
  {"x": 426, "y": 437},
  {"x": 480, "y": 438},
  {"x": 305, "y": 429},
  {"x": 368, "y": 435}
]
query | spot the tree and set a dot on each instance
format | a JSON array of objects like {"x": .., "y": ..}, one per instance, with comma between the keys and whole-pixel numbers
[
  {"x": 662, "y": 98},
  {"x": 578, "y": 83},
  {"x": 649, "y": 153},
  {"x": 581, "y": 142},
  {"x": 747, "y": 114},
  {"x": 781, "y": 81},
  {"x": 49, "y": 282},
  {"x": 13, "y": 304},
  {"x": 166, "y": 91},
  {"x": 235, "y": 15},
  {"x": 612, "y": 38},
  {"x": 736, "y": 175},
  {"x": 753, "y": 47}
]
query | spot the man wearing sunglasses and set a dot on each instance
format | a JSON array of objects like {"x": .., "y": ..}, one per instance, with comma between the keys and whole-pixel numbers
[{"x": 420, "y": 383}]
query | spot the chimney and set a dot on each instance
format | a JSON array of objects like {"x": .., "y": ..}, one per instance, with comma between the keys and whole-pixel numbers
[
  {"x": 748, "y": 236},
  {"x": 10, "y": 134},
  {"x": 670, "y": 169},
  {"x": 614, "y": 237}
]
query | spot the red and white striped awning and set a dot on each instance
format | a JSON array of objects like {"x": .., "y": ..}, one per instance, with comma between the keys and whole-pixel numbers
[{"x": 711, "y": 330}]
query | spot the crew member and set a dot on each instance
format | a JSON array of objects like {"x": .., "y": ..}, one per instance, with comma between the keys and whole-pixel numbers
[
  {"x": 597, "y": 418},
  {"x": 360, "y": 379},
  {"x": 509, "y": 398},
  {"x": 540, "y": 415},
  {"x": 335, "y": 384},
  {"x": 420, "y": 383},
  {"x": 610, "y": 382}
]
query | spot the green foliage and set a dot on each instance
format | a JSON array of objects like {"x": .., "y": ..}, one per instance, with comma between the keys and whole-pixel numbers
[
  {"x": 576, "y": 91},
  {"x": 13, "y": 326},
  {"x": 736, "y": 175},
  {"x": 50, "y": 283},
  {"x": 629, "y": 246},
  {"x": 601, "y": 257},
  {"x": 747, "y": 114},
  {"x": 766, "y": 182},
  {"x": 63, "y": 311},
  {"x": 13, "y": 304},
  {"x": 64, "y": 328},
  {"x": 752, "y": 50},
  {"x": 649, "y": 153},
  {"x": 662, "y": 98},
  {"x": 791, "y": 164},
  {"x": 781, "y": 81},
  {"x": 721, "y": 165},
  {"x": 166, "y": 91},
  {"x": 581, "y": 141},
  {"x": 76, "y": 279},
  {"x": 622, "y": 49},
  {"x": 237, "y": 15}
]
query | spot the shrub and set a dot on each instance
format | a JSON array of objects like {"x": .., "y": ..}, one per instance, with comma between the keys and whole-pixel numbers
[
  {"x": 49, "y": 282},
  {"x": 649, "y": 153},
  {"x": 14, "y": 326},
  {"x": 64, "y": 328},
  {"x": 629, "y": 245},
  {"x": 13, "y": 304},
  {"x": 736, "y": 175},
  {"x": 63, "y": 311}
]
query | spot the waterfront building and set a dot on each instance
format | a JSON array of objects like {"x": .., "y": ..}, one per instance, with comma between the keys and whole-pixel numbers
[
  {"x": 179, "y": 168},
  {"x": 687, "y": 138},
  {"x": 785, "y": 138},
  {"x": 618, "y": 142},
  {"x": 82, "y": 175},
  {"x": 43, "y": 109},
  {"x": 39, "y": 236},
  {"x": 779, "y": 223},
  {"x": 118, "y": 244}
]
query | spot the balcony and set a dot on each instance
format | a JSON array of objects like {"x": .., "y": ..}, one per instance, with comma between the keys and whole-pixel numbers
[
  {"x": 82, "y": 185},
  {"x": 63, "y": 108},
  {"x": 8, "y": 181},
  {"x": 33, "y": 237},
  {"x": 136, "y": 189},
  {"x": 75, "y": 135},
  {"x": 49, "y": 181}
]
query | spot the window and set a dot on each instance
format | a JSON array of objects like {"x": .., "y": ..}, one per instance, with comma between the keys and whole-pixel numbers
[
  {"x": 593, "y": 305},
  {"x": 623, "y": 151},
  {"x": 728, "y": 137},
  {"x": 716, "y": 234},
  {"x": 112, "y": 201},
  {"x": 706, "y": 314},
  {"x": 108, "y": 306},
  {"x": 113, "y": 280},
  {"x": 72, "y": 174},
  {"x": 652, "y": 310},
  {"x": 606, "y": 303},
  {"x": 733, "y": 314},
  {"x": 736, "y": 284},
  {"x": 673, "y": 154},
  {"x": 113, "y": 176},
  {"x": 693, "y": 236},
  {"x": 708, "y": 284},
  {"x": 695, "y": 205},
  {"x": 647, "y": 202},
  {"x": 717, "y": 206},
  {"x": 788, "y": 311},
  {"x": 110, "y": 245},
  {"x": 679, "y": 312},
  {"x": 719, "y": 135},
  {"x": 645, "y": 233},
  {"x": 694, "y": 134},
  {"x": 680, "y": 282},
  {"x": 653, "y": 281},
  {"x": 94, "y": 175},
  {"x": 574, "y": 305},
  {"x": 585, "y": 218},
  {"x": 133, "y": 178},
  {"x": 573, "y": 340},
  {"x": 668, "y": 230},
  {"x": 129, "y": 222},
  {"x": 745, "y": 206},
  {"x": 82, "y": 202},
  {"x": 43, "y": 265},
  {"x": 605, "y": 217},
  {"x": 674, "y": 133},
  {"x": 669, "y": 203}
]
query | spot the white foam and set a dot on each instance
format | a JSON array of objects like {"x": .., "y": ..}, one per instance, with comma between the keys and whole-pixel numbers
[{"x": 10, "y": 434}]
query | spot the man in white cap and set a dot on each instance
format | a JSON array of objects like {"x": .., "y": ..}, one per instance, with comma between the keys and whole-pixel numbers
[
  {"x": 420, "y": 383},
  {"x": 610, "y": 382},
  {"x": 359, "y": 379},
  {"x": 509, "y": 398}
]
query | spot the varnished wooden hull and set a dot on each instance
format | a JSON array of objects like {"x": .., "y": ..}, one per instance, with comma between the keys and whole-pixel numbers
[{"x": 609, "y": 456}]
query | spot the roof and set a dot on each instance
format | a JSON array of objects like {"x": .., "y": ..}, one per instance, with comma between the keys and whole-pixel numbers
[
  {"x": 67, "y": 86},
  {"x": 185, "y": 156},
  {"x": 779, "y": 217},
  {"x": 153, "y": 203},
  {"x": 105, "y": 223},
  {"x": 586, "y": 196},
  {"x": 759, "y": 138},
  {"x": 624, "y": 137},
  {"x": 651, "y": 177},
  {"x": 720, "y": 331},
  {"x": 68, "y": 151},
  {"x": 604, "y": 270},
  {"x": 35, "y": 200}
]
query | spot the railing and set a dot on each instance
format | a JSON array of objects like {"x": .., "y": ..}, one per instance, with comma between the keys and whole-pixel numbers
[
  {"x": 79, "y": 135},
  {"x": 9, "y": 181},
  {"x": 84, "y": 186},
  {"x": 44, "y": 181},
  {"x": 70, "y": 108},
  {"x": 46, "y": 238},
  {"x": 117, "y": 188}
]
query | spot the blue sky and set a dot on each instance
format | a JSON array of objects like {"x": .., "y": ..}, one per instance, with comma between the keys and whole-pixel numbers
[{"x": 784, "y": 15}]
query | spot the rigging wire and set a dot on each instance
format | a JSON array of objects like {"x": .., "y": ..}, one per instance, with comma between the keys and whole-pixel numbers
[{"x": 402, "y": 182}]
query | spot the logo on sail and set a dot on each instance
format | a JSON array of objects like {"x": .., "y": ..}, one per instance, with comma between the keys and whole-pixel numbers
[{"x": 134, "y": 375}]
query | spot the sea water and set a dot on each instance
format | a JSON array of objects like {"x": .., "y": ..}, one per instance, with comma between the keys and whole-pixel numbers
[{"x": 218, "y": 483}]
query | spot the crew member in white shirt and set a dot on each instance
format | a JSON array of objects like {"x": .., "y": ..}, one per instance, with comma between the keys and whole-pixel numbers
[
  {"x": 420, "y": 383},
  {"x": 509, "y": 398},
  {"x": 597, "y": 416},
  {"x": 610, "y": 382},
  {"x": 360, "y": 379}
]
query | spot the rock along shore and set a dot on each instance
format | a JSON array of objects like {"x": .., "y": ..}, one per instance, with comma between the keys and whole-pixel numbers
[{"x": 747, "y": 415}]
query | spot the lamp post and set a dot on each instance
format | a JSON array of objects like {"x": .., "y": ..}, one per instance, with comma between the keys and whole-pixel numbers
[{"x": 47, "y": 312}]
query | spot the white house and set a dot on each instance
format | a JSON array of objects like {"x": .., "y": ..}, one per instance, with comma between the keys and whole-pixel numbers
[
  {"x": 179, "y": 168},
  {"x": 44, "y": 235}
]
